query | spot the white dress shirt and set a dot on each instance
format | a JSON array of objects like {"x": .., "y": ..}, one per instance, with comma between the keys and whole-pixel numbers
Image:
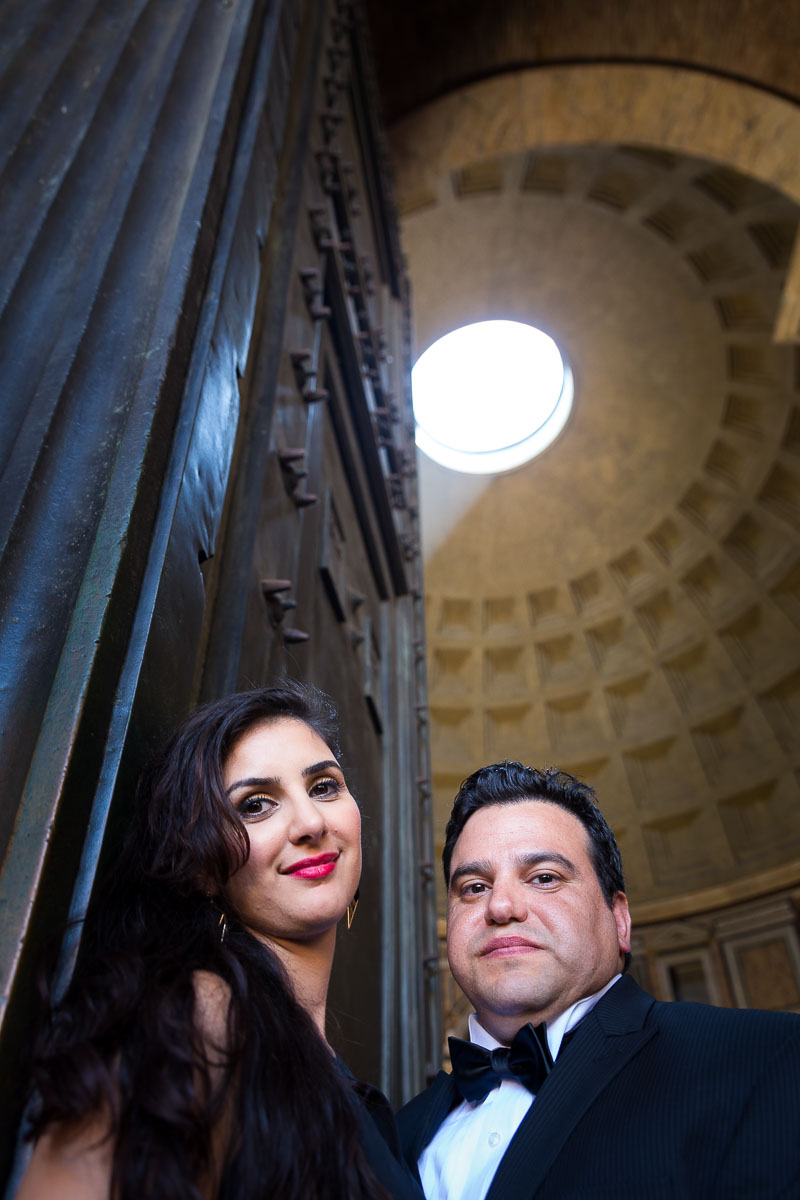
[{"x": 460, "y": 1161}]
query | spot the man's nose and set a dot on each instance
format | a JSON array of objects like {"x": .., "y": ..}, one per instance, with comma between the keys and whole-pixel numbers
[{"x": 507, "y": 902}]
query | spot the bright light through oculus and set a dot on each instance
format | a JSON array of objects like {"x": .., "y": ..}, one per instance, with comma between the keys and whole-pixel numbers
[{"x": 490, "y": 396}]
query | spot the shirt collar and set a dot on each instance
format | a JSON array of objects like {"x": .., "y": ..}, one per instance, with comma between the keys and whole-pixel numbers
[{"x": 556, "y": 1029}]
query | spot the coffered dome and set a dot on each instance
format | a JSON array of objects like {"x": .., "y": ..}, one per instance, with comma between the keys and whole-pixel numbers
[{"x": 627, "y": 606}]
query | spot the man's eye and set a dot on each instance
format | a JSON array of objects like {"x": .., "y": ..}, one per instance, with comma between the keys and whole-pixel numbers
[
  {"x": 473, "y": 889},
  {"x": 545, "y": 877}
]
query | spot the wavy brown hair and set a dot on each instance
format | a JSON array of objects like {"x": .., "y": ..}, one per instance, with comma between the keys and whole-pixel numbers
[{"x": 124, "y": 1043}]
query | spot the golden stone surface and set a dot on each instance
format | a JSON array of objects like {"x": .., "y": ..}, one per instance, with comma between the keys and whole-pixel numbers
[{"x": 627, "y": 606}]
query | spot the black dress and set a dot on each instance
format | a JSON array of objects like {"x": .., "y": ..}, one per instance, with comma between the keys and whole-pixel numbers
[{"x": 380, "y": 1141}]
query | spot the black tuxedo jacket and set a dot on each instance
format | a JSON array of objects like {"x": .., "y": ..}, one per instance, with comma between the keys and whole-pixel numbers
[{"x": 651, "y": 1101}]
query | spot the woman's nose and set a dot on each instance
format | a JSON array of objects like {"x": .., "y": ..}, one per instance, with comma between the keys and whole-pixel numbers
[{"x": 307, "y": 820}]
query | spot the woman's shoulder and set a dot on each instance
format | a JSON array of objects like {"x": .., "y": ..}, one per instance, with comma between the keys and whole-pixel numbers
[
  {"x": 71, "y": 1161},
  {"x": 212, "y": 1003}
]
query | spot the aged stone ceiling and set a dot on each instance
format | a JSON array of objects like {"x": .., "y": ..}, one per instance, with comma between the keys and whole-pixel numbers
[
  {"x": 627, "y": 606},
  {"x": 426, "y": 48}
]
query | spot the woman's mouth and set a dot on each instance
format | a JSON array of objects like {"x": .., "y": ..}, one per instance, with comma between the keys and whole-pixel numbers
[{"x": 314, "y": 868}]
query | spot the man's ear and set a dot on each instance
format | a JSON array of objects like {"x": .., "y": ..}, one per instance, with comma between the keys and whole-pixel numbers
[{"x": 622, "y": 919}]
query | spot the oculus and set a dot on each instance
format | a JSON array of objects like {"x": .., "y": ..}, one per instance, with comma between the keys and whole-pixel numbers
[{"x": 490, "y": 396}]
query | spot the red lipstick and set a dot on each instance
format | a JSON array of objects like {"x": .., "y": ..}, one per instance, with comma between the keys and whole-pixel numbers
[{"x": 314, "y": 868}]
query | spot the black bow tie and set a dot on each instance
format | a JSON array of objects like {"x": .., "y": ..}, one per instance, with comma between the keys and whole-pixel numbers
[{"x": 477, "y": 1071}]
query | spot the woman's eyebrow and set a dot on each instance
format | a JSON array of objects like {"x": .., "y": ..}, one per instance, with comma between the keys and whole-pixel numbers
[
  {"x": 325, "y": 765},
  {"x": 274, "y": 781},
  {"x": 269, "y": 781}
]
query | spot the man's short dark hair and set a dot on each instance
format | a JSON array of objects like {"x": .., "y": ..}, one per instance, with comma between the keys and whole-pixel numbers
[{"x": 512, "y": 783}]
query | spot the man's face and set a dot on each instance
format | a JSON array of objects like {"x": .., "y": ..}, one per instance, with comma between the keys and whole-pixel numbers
[{"x": 529, "y": 931}]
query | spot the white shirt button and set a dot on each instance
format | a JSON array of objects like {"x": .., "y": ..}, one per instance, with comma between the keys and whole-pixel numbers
[{"x": 494, "y": 1138}]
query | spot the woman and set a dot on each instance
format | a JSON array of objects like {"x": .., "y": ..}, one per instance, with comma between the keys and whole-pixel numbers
[{"x": 189, "y": 1058}]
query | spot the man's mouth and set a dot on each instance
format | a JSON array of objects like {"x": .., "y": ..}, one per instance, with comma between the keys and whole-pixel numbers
[{"x": 506, "y": 947}]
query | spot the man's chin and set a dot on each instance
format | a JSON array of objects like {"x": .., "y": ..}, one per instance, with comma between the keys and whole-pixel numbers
[{"x": 517, "y": 1004}]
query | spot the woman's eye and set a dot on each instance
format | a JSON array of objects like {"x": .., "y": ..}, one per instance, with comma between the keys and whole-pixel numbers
[
  {"x": 256, "y": 806},
  {"x": 323, "y": 788}
]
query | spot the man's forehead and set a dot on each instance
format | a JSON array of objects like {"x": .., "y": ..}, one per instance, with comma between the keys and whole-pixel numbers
[{"x": 518, "y": 824}]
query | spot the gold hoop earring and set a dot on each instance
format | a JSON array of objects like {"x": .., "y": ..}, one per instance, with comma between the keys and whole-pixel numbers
[{"x": 350, "y": 911}]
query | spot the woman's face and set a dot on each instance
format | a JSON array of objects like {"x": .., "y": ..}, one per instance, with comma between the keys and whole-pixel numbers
[{"x": 304, "y": 829}]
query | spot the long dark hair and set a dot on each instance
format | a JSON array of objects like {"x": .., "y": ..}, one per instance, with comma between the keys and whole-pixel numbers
[{"x": 124, "y": 1043}]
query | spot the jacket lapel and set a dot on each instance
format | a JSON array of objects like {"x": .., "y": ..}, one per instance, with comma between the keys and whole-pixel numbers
[{"x": 607, "y": 1038}]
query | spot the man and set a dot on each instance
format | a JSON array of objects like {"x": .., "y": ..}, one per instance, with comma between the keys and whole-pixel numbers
[{"x": 605, "y": 1092}]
